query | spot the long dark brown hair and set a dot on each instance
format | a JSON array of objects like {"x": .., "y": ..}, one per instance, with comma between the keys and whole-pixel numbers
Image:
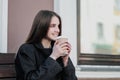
[{"x": 41, "y": 25}]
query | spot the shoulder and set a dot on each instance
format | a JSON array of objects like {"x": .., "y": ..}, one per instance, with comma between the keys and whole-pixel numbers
[
  {"x": 26, "y": 48},
  {"x": 26, "y": 52},
  {"x": 25, "y": 45}
]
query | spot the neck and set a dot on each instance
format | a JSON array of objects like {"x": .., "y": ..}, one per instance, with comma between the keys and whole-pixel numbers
[{"x": 46, "y": 43}]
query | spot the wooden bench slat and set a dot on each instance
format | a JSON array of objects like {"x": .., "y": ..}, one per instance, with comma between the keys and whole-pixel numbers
[
  {"x": 6, "y": 58},
  {"x": 7, "y": 71},
  {"x": 8, "y": 79},
  {"x": 7, "y": 67}
]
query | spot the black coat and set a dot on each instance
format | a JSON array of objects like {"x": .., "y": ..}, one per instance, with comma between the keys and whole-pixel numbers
[{"x": 33, "y": 63}]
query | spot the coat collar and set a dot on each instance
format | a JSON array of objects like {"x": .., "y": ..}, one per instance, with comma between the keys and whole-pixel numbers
[
  {"x": 40, "y": 46},
  {"x": 42, "y": 50}
]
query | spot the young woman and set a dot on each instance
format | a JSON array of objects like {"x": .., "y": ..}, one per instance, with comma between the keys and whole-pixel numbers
[{"x": 41, "y": 56}]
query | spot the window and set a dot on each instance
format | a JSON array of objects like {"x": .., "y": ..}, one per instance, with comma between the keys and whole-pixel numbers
[{"x": 98, "y": 38}]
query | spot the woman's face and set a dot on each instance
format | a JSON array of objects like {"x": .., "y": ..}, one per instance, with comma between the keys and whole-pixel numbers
[{"x": 53, "y": 30}]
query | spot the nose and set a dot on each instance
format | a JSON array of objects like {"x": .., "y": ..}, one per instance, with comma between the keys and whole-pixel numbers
[{"x": 57, "y": 29}]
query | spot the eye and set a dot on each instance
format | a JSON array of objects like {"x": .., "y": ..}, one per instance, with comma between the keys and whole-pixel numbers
[{"x": 52, "y": 25}]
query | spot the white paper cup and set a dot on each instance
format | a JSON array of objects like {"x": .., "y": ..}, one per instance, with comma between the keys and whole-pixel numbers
[{"x": 62, "y": 39}]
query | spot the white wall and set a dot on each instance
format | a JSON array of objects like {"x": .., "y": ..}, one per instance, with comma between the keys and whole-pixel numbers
[
  {"x": 3, "y": 25},
  {"x": 0, "y": 23},
  {"x": 67, "y": 10}
]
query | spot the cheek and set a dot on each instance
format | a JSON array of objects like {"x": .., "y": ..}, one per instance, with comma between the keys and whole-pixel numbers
[{"x": 49, "y": 33}]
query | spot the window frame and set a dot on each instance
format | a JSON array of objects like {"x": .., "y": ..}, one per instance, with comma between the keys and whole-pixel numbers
[{"x": 93, "y": 59}]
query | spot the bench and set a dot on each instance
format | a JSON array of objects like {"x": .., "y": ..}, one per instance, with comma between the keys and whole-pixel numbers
[{"x": 7, "y": 67}]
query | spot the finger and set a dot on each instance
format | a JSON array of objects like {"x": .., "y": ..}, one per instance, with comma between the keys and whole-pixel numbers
[
  {"x": 56, "y": 42},
  {"x": 64, "y": 45},
  {"x": 69, "y": 45},
  {"x": 64, "y": 48}
]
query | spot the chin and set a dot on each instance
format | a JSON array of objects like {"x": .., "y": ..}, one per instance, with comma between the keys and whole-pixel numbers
[{"x": 53, "y": 39}]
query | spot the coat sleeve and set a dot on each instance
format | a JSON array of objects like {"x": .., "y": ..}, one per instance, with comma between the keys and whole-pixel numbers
[
  {"x": 25, "y": 60},
  {"x": 69, "y": 71}
]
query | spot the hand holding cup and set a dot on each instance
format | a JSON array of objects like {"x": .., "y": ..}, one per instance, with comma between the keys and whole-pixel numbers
[
  {"x": 63, "y": 41},
  {"x": 61, "y": 47}
]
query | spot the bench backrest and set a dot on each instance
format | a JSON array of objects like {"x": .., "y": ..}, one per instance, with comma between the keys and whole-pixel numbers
[{"x": 7, "y": 68}]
